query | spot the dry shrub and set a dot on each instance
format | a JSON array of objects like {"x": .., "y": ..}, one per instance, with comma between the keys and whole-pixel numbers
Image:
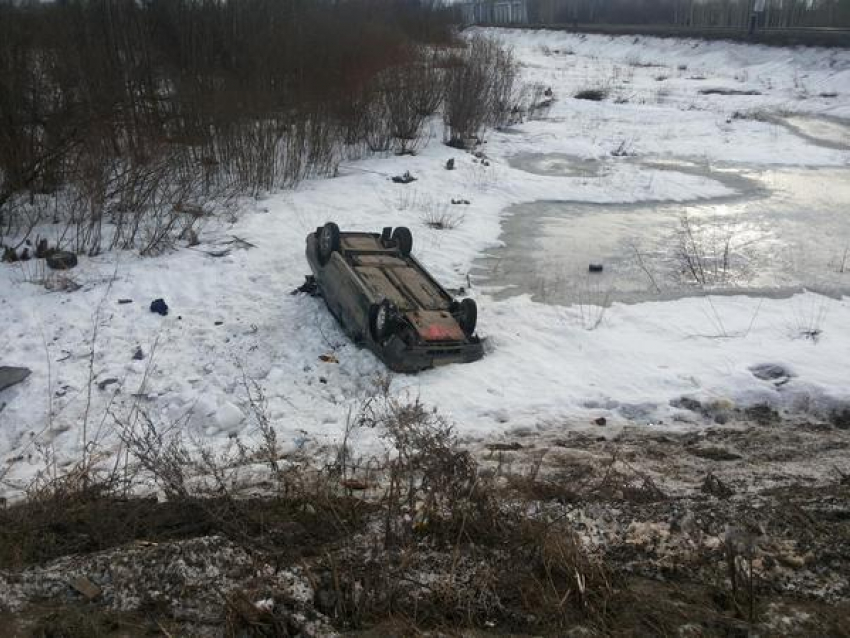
[
  {"x": 245, "y": 618},
  {"x": 480, "y": 90},
  {"x": 442, "y": 219},
  {"x": 125, "y": 115},
  {"x": 708, "y": 251},
  {"x": 561, "y": 580},
  {"x": 439, "y": 215},
  {"x": 410, "y": 94}
]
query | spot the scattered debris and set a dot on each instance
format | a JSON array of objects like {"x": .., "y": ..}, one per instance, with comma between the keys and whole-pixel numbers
[
  {"x": 687, "y": 403},
  {"x": 87, "y": 588},
  {"x": 239, "y": 244},
  {"x": 593, "y": 95},
  {"x": 61, "y": 284},
  {"x": 42, "y": 249},
  {"x": 102, "y": 385},
  {"x": 504, "y": 447},
  {"x": 771, "y": 372},
  {"x": 840, "y": 418},
  {"x": 622, "y": 150},
  {"x": 762, "y": 414},
  {"x": 714, "y": 453},
  {"x": 328, "y": 358},
  {"x": 354, "y": 484},
  {"x": 714, "y": 486},
  {"x": 465, "y": 202},
  {"x": 61, "y": 260},
  {"x": 404, "y": 179},
  {"x": 11, "y": 375},
  {"x": 309, "y": 287},
  {"x": 721, "y": 91},
  {"x": 159, "y": 307},
  {"x": 191, "y": 238},
  {"x": 234, "y": 243}
]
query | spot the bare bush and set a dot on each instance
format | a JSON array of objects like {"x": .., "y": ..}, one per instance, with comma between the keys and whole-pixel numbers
[
  {"x": 130, "y": 114},
  {"x": 411, "y": 93},
  {"x": 705, "y": 251},
  {"x": 480, "y": 90},
  {"x": 537, "y": 100},
  {"x": 442, "y": 219}
]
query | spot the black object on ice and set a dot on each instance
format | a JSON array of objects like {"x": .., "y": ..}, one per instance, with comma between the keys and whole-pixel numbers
[
  {"x": 159, "y": 306},
  {"x": 10, "y": 375},
  {"x": 309, "y": 286},
  {"x": 404, "y": 179},
  {"x": 450, "y": 164},
  {"x": 595, "y": 268}
]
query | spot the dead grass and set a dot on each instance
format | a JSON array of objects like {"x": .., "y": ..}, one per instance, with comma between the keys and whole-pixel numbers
[
  {"x": 431, "y": 538},
  {"x": 441, "y": 218},
  {"x": 80, "y": 621}
]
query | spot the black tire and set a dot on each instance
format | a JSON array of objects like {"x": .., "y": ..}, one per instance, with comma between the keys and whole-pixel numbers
[
  {"x": 467, "y": 316},
  {"x": 404, "y": 240},
  {"x": 381, "y": 321},
  {"x": 328, "y": 242}
]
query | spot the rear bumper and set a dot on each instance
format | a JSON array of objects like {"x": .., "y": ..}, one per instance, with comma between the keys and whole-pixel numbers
[{"x": 401, "y": 357}]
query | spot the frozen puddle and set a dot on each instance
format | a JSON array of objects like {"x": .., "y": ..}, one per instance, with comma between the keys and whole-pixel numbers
[
  {"x": 786, "y": 230},
  {"x": 557, "y": 164}
]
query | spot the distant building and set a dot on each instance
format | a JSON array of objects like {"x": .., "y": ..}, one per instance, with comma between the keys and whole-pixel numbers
[{"x": 495, "y": 12}]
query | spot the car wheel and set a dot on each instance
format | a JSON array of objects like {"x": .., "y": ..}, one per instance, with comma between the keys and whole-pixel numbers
[
  {"x": 381, "y": 320},
  {"x": 403, "y": 239},
  {"x": 467, "y": 316},
  {"x": 328, "y": 242}
]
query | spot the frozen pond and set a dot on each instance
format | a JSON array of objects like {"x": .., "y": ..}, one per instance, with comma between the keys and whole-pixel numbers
[
  {"x": 557, "y": 164},
  {"x": 785, "y": 229}
]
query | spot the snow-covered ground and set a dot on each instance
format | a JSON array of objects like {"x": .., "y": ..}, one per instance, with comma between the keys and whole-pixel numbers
[{"x": 548, "y": 367}]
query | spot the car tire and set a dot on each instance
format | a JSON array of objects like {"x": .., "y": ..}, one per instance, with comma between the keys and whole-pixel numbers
[
  {"x": 404, "y": 240},
  {"x": 328, "y": 242},
  {"x": 381, "y": 321},
  {"x": 467, "y": 316}
]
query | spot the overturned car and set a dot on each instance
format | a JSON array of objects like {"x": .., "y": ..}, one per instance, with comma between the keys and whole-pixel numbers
[{"x": 384, "y": 299}]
